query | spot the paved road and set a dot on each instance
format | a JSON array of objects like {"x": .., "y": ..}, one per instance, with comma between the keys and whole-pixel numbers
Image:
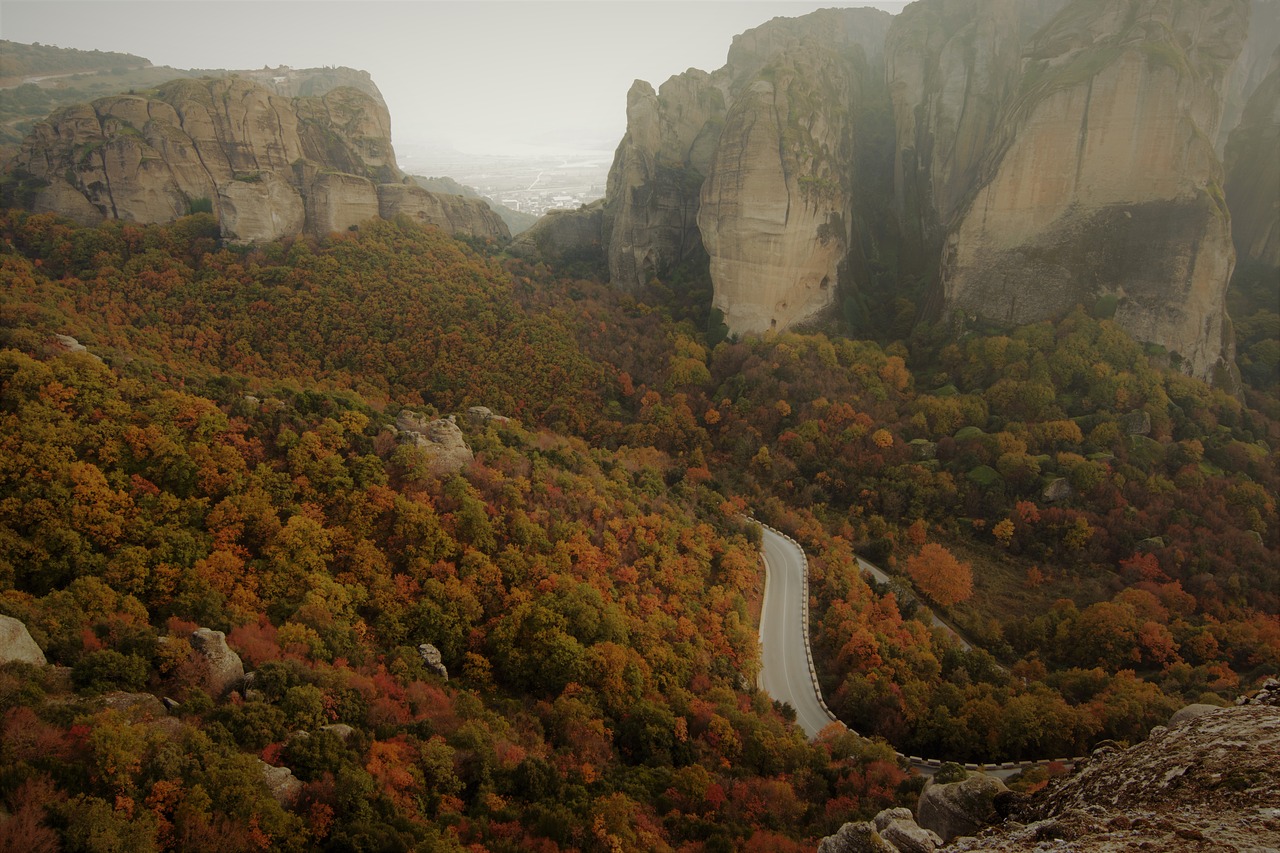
[{"x": 784, "y": 673}]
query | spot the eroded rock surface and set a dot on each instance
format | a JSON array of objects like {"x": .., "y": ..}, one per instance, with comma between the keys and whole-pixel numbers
[
  {"x": 16, "y": 643},
  {"x": 441, "y": 439},
  {"x": 1207, "y": 783},
  {"x": 270, "y": 154},
  {"x": 225, "y": 669},
  {"x": 959, "y": 808},
  {"x": 1109, "y": 185},
  {"x": 1252, "y": 163}
]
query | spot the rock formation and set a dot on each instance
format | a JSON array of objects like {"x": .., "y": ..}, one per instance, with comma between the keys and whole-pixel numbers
[
  {"x": 565, "y": 236},
  {"x": 441, "y": 439},
  {"x": 432, "y": 660},
  {"x": 280, "y": 781},
  {"x": 1252, "y": 66},
  {"x": 652, "y": 195},
  {"x": 959, "y": 808},
  {"x": 16, "y": 643},
  {"x": 1252, "y": 163},
  {"x": 1206, "y": 783},
  {"x": 225, "y": 669},
  {"x": 1105, "y": 183},
  {"x": 1045, "y": 154},
  {"x": 950, "y": 65},
  {"x": 266, "y": 164},
  {"x": 891, "y": 831}
]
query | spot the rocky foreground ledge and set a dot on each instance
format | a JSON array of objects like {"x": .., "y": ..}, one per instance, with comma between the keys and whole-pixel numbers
[{"x": 1208, "y": 781}]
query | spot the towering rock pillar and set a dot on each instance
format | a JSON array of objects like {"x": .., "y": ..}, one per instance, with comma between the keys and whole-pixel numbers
[{"x": 1103, "y": 181}]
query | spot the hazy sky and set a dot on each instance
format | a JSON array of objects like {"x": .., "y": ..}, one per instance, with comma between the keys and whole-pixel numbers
[{"x": 484, "y": 76}]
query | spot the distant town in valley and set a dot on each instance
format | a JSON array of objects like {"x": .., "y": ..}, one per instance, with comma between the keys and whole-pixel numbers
[{"x": 532, "y": 184}]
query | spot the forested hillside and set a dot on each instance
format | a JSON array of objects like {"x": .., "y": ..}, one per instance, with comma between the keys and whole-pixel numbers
[{"x": 225, "y": 456}]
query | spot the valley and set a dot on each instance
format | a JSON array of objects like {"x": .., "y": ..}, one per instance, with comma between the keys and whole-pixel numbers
[{"x": 901, "y": 396}]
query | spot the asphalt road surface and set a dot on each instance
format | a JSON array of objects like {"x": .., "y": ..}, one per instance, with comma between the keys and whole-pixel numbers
[{"x": 785, "y": 671}]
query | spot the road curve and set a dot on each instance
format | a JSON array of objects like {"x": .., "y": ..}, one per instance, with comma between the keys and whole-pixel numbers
[{"x": 784, "y": 671}]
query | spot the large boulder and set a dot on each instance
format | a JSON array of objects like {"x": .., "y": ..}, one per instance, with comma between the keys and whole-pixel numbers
[
  {"x": 1190, "y": 712},
  {"x": 860, "y": 837},
  {"x": 899, "y": 828},
  {"x": 959, "y": 808},
  {"x": 283, "y": 785},
  {"x": 441, "y": 439},
  {"x": 433, "y": 661},
  {"x": 225, "y": 669},
  {"x": 16, "y": 643}
]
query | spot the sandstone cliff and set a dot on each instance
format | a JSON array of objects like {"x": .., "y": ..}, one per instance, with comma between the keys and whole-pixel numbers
[
  {"x": 268, "y": 166},
  {"x": 1253, "y": 173},
  {"x": 950, "y": 66},
  {"x": 1104, "y": 181},
  {"x": 754, "y": 164},
  {"x": 651, "y": 200},
  {"x": 1252, "y": 65}
]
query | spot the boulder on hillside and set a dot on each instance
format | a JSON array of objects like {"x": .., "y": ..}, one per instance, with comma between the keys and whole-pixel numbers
[
  {"x": 1190, "y": 712},
  {"x": 441, "y": 439},
  {"x": 433, "y": 661},
  {"x": 899, "y": 828},
  {"x": 959, "y": 808},
  {"x": 16, "y": 643},
  {"x": 141, "y": 705},
  {"x": 226, "y": 670},
  {"x": 283, "y": 785},
  {"x": 859, "y": 837}
]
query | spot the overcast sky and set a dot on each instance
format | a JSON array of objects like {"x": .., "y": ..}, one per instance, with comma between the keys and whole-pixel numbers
[{"x": 485, "y": 77}]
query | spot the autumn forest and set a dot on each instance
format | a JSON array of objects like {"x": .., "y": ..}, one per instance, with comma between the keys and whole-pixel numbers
[{"x": 224, "y": 455}]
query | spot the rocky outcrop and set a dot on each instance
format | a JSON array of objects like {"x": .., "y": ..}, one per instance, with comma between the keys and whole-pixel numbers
[
  {"x": 565, "y": 237},
  {"x": 959, "y": 808},
  {"x": 225, "y": 670},
  {"x": 267, "y": 165},
  {"x": 777, "y": 210},
  {"x": 432, "y": 660},
  {"x": 441, "y": 439},
  {"x": 652, "y": 195},
  {"x": 1207, "y": 783},
  {"x": 280, "y": 781},
  {"x": 454, "y": 214},
  {"x": 1252, "y": 66},
  {"x": 891, "y": 831},
  {"x": 260, "y": 209},
  {"x": 951, "y": 65},
  {"x": 1105, "y": 182},
  {"x": 16, "y": 643},
  {"x": 1252, "y": 163}
]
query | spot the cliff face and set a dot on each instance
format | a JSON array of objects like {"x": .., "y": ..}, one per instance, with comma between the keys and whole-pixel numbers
[
  {"x": 1253, "y": 173},
  {"x": 270, "y": 166},
  {"x": 651, "y": 207},
  {"x": 950, "y": 66},
  {"x": 775, "y": 211},
  {"x": 1103, "y": 180},
  {"x": 753, "y": 163}
]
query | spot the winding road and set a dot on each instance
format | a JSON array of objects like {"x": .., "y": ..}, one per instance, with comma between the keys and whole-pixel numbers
[{"x": 785, "y": 670}]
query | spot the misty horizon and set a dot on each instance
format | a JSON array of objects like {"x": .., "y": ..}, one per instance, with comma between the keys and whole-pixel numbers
[{"x": 482, "y": 79}]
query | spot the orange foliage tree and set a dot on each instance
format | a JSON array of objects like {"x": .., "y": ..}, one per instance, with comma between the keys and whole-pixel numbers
[{"x": 940, "y": 575}]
